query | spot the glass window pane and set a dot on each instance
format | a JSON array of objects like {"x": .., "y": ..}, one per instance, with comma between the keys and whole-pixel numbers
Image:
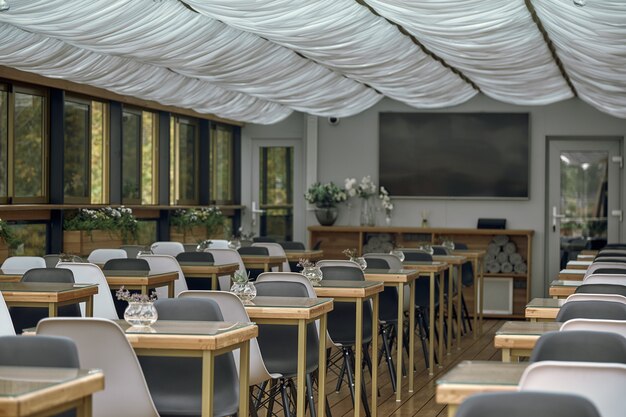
[
  {"x": 148, "y": 153},
  {"x": 131, "y": 134},
  {"x": 187, "y": 162},
  {"x": 33, "y": 238},
  {"x": 76, "y": 168},
  {"x": 4, "y": 142},
  {"x": 98, "y": 152},
  {"x": 146, "y": 232},
  {"x": 222, "y": 164},
  {"x": 276, "y": 186},
  {"x": 29, "y": 145}
]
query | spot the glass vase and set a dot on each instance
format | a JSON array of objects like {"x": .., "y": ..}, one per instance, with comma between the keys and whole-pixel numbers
[
  {"x": 314, "y": 274},
  {"x": 368, "y": 212},
  {"x": 140, "y": 314},
  {"x": 360, "y": 261},
  {"x": 246, "y": 291}
]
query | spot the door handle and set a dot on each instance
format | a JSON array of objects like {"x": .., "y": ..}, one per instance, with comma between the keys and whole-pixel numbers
[
  {"x": 254, "y": 211},
  {"x": 555, "y": 215},
  {"x": 618, "y": 213}
]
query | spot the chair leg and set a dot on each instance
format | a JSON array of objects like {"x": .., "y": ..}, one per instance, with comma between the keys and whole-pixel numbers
[
  {"x": 466, "y": 313},
  {"x": 259, "y": 399},
  {"x": 341, "y": 373},
  {"x": 363, "y": 391},
  {"x": 348, "y": 365},
  {"x": 270, "y": 404},
  {"x": 283, "y": 393},
  {"x": 309, "y": 394},
  {"x": 389, "y": 360}
]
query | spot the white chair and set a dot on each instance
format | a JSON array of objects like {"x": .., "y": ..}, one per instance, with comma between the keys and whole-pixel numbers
[
  {"x": 614, "y": 326},
  {"x": 596, "y": 297},
  {"x": 218, "y": 244},
  {"x": 166, "y": 263},
  {"x": 21, "y": 264},
  {"x": 274, "y": 249},
  {"x": 601, "y": 383},
  {"x": 102, "y": 344},
  {"x": 337, "y": 262},
  {"x": 167, "y": 248},
  {"x": 6, "y": 324},
  {"x": 605, "y": 279},
  {"x": 233, "y": 311},
  {"x": 86, "y": 273},
  {"x": 604, "y": 265},
  {"x": 101, "y": 256},
  {"x": 226, "y": 256}
]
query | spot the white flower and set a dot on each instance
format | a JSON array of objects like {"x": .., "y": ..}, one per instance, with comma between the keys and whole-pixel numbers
[{"x": 350, "y": 183}]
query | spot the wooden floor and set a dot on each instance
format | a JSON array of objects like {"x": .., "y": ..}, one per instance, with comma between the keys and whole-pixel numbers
[{"x": 420, "y": 403}]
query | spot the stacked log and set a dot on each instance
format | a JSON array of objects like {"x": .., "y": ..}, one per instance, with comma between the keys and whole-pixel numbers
[{"x": 502, "y": 257}]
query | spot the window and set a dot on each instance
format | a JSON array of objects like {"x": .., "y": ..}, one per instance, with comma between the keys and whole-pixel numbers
[
  {"x": 222, "y": 163},
  {"x": 138, "y": 157},
  {"x": 23, "y": 145},
  {"x": 183, "y": 161},
  {"x": 85, "y": 151}
]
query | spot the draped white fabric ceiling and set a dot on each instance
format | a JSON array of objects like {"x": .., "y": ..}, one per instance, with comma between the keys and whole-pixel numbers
[{"x": 256, "y": 61}]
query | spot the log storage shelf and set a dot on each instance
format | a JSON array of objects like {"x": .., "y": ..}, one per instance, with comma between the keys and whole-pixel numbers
[{"x": 334, "y": 239}]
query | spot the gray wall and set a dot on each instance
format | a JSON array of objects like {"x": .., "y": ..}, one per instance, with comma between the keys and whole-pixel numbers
[{"x": 350, "y": 149}]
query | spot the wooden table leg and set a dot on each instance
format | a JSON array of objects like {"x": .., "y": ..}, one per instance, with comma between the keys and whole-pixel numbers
[
  {"x": 214, "y": 282},
  {"x": 52, "y": 310},
  {"x": 450, "y": 295},
  {"x": 374, "y": 356},
  {"x": 321, "y": 369},
  {"x": 170, "y": 289},
  {"x": 301, "y": 377},
  {"x": 85, "y": 407},
  {"x": 89, "y": 307},
  {"x": 506, "y": 355},
  {"x": 244, "y": 377},
  {"x": 411, "y": 332},
  {"x": 482, "y": 294},
  {"x": 441, "y": 329},
  {"x": 358, "y": 357},
  {"x": 459, "y": 305},
  {"x": 452, "y": 409},
  {"x": 475, "y": 285},
  {"x": 144, "y": 290},
  {"x": 431, "y": 325},
  {"x": 208, "y": 379},
  {"x": 400, "y": 342}
]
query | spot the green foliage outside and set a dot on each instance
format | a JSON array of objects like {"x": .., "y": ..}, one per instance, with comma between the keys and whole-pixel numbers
[{"x": 8, "y": 235}]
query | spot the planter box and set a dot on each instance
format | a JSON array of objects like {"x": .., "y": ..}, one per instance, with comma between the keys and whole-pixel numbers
[
  {"x": 194, "y": 235},
  {"x": 79, "y": 242}
]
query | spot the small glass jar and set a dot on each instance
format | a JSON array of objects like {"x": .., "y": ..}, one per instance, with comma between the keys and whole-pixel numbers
[
  {"x": 314, "y": 274},
  {"x": 398, "y": 254},
  {"x": 141, "y": 313},
  {"x": 360, "y": 261},
  {"x": 246, "y": 291}
]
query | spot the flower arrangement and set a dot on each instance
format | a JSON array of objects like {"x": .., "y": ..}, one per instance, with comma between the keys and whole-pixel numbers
[
  {"x": 365, "y": 189},
  {"x": 385, "y": 200},
  {"x": 240, "y": 277},
  {"x": 305, "y": 263},
  {"x": 325, "y": 195},
  {"x": 119, "y": 219},
  {"x": 8, "y": 236},
  {"x": 125, "y": 295},
  {"x": 209, "y": 217},
  {"x": 350, "y": 253}
]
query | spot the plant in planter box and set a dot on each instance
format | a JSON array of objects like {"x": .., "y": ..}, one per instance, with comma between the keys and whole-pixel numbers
[
  {"x": 114, "y": 220},
  {"x": 209, "y": 218}
]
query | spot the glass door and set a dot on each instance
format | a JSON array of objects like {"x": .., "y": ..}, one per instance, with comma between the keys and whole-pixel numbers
[{"x": 583, "y": 201}]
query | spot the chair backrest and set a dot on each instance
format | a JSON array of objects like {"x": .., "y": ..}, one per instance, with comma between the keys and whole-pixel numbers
[
  {"x": 596, "y": 267},
  {"x": 417, "y": 256},
  {"x": 87, "y": 273},
  {"x": 440, "y": 250},
  {"x": 102, "y": 344},
  {"x": 126, "y": 264},
  {"x": 6, "y": 323},
  {"x": 580, "y": 346},
  {"x": 22, "y": 264},
  {"x": 596, "y": 297},
  {"x": 189, "y": 247},
  {"x": 605, "y": 279},
  {"x": 591, "y": 310},
  {"x": 43, "y": 351},
  {"x": 601, "y": 289},
  {"x": 226, "y": 256},
  {"x": 614, "y": 326},
  {"x": 263, "y": 239},
  {"x": 611, "y": 258},
  {"x": 132, "y": 250},
  {"x": 392, "y": 260},
  {"x": 274, "y": 249},
  {"x": 100, "y": 256},
  {"x": 219, "y": 244},
  {"x": 288, "y": 245},
  {"x": 601, "y": 383},
  {"x": 166, "y": 263},
  {"x": 337, "y": 262},
  {"x": 51, "y": 260},
  {"x": 233, "y": 310},
  {"x": 253, "y": 250},
  {"x": 195, "y": 257},
  {"x": 174, "y": 382},
  {"x": 525, "y": 404},
  {"x": 167, "y": 248}
]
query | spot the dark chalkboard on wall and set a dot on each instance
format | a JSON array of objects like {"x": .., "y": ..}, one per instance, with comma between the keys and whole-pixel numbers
[{"x": 455, "y": 155}]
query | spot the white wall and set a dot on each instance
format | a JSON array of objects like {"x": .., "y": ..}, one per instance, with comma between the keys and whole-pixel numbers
[{"x": 350, "y": 149}]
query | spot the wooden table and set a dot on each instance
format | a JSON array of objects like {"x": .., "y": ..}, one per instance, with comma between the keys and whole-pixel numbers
[
  {"x": 48, "y": 294},
  {"x": 201, "y": 339},
  {"x": 430, "y": 269},
  {"x": 399, "y": 278},
  {"x": 473, "y": 377},
  {"x": 543, "y": 309},
  {"x": 208, "y": 270},
  {"x": 297, "y": 311},
  {"x": 518, "y": 338},
  {"x": 310, "y": 254},
  {"x": 578, "y": 265},
  {"x": 42, "y": 391},
  {"x": 141, "y": 280},
  {"x": 454, "y": 261},
  {"x": 572, "y": 274},
  {"x": 585, "y": 257},
  {"x": 477, "y": 257},
  {"x": 7, "y": 275},
  {"x": 264, "y": 262},
  {"x": 563, "y": 289},
  {"x": 356, "y": 292}
]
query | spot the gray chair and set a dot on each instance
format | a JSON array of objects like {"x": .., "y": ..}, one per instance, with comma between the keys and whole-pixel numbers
[
  {"x": 253, "y": 250},
  {"x": 201, "y": 257},
  {"x": 601, "y": 289},
  {"x": 175, "y": 383},
  {"x": 27, "y": 317},
  {"x": 264, "y": 239},
  {"x": 591, "y": 310},
  {"x": 527, "y": 404},
  {"x": 133, "y": 250},
  {"x": 124, "y": 264},
  {"x": 580, "y": 346},
  {"x": 292, "y": 245}
]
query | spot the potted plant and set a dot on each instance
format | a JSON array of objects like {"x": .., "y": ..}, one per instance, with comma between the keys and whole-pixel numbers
[
  {"x": 325, "y": 197},
  {"x": 195, "y": 225},
  {"x": 107, "y": 227}
]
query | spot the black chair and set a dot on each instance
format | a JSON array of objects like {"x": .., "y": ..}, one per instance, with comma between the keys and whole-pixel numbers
[
  {"x": 442, "y": 251},
  {"x": 200, "y": 257},
  {"x": 40, "y": 351},
  {"x": 601, "y": 289},
  {"x": 293, "y": 246},
  {"x": 611, "y": 271},
  {"x": 175, "y": 383},
  {"x": 467, "y": 280},
  {"x": 133, "y": 250},
  {"x": 341, "y": 328},
  {"x": 124, "y": 264},
  {"x": 604, "y": 310},
  {"x": 27, "y": 317},
  {"x": 279, "y": 347},
  {"x": 527, "y": 404},
  {"x": 580, "y": 346},
  {"x": 615, "y": 246},
  {"x": 265, "y": 239},
  {"x": 253, "y": 250}
]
